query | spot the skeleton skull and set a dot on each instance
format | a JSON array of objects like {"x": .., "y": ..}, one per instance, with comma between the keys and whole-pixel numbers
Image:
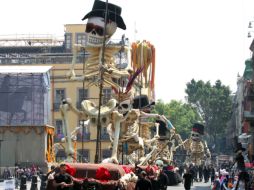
[
  {"x": 95, "y": 31},
  {"x": 195, "y": 136},
  {"x": 125, "y": 106}
]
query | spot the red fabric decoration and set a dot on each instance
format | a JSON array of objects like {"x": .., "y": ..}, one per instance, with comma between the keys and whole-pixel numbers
[
  {"x": 102, "y": 174},
  {"x": 70, "y": 170},
  {"x": 170, "y": 168},
  {"x": 156, "y": 167},
  {"x": 126, "y": 169}
]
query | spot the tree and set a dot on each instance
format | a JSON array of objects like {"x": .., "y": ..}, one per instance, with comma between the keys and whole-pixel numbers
[
  {"x": 181, "y": 115},
  {"x": 214, "y": 105}
]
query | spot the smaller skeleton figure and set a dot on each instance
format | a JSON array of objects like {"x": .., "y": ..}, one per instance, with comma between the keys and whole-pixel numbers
[
  {"x": 133, "y": 130},
  {"x": 165, "y": 146},
  {"x": 197, "y": 150}
]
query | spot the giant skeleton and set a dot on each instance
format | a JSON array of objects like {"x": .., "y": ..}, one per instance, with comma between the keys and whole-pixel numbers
[
  {"x": 197, "y": 150},
  {"x": 124, "y": 124}
]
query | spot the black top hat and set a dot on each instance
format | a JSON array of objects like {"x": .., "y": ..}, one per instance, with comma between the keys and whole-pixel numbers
[
  {"x": 114, "y": 13},
  {"x": 141, "y": 102},
  {"x": 199, "y": 128}
]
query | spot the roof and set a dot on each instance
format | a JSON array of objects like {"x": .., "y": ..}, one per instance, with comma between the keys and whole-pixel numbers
[{"x": 24, "y": 69}]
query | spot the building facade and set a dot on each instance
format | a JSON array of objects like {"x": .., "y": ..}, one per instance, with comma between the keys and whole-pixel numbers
[{"x": 241, "y": 124}]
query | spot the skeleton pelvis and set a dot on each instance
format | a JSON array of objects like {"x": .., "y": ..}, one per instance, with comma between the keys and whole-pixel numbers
[{"x": 92, "y": 111}]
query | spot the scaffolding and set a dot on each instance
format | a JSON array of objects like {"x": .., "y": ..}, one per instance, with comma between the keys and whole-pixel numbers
[
  {"x": 30, "y": 40},
  {"x": 24, "y": 95}
]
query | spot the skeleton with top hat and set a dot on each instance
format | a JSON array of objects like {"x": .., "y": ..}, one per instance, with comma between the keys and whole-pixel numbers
[
  {"x": 102, "y": 22},
  {"x": 197, "y": 150}
]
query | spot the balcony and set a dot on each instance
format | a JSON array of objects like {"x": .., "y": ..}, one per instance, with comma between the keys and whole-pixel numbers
[
  {"x": 249, "y": 91},
  {"x": 248, "y": 115}
]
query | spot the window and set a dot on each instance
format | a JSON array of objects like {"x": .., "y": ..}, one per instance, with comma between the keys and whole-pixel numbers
[
  {"x": 82, "y": 95},
  {"x": 85, "y": 158},
  {"x": 106, "y": 153},
  {"x": 86, "y": 127},
  {"x": 106, "y": 95},
  {"x": 58, "y": 130},
  {"x": 86, "y": 131},
  {"x": 104, "y": 134},
  {"x": 59, "y": 95},
  {"x": 61, "y": 156},
  {"x": 68, "y": 41},
  {"x": 80, "y": 38},
  {"x": 123, "y": 81},
  {"x": 59, "y": 127}
]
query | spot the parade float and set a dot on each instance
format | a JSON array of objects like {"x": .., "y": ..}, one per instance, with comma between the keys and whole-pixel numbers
[{"x": 133, "y": 130}]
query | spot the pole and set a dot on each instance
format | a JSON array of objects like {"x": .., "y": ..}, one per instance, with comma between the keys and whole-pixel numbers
[
  {"x": 1, "y": 156},
  {"x": 98, "y": 140},
  {"x": 83, "y": 97},
  {"x": 122, "y": 82},
  {"x": 82, "y": 157}
]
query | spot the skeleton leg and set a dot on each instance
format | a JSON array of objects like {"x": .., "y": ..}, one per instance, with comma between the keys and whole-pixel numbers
[
  {"x": 66, "y": 129},
  {"x": 148, "y": 156},
  {"x": 116, "y": 118}
]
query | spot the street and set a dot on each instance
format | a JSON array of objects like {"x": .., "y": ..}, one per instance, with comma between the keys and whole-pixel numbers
[{"x": 196, "y": 186}]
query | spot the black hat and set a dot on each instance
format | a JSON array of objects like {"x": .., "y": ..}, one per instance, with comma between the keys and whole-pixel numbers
[
  {"x": 163, "y": 130},
  {"x": 141, "y": 102},
  {"x": 199, "y": 128},
  {"x": 114, "y": 13}
]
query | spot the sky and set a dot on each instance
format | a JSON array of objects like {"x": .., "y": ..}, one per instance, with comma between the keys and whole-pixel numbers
[{"x": 200, "y": 39}]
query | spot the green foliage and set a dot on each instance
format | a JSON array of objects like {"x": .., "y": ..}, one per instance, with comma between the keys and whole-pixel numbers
[
  {"x": 181, "y": 115},
  {"x": 213, "y": 103}
]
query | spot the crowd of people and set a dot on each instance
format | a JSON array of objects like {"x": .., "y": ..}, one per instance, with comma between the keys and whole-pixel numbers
[
  {"x": 18, "y": 171},
  {"x": 219, "y": 178},
  {"x": 156, "y": 176}
]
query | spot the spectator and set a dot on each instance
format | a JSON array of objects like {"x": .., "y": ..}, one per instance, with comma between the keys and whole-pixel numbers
[
  {"x": 62, "y": 180},
  {"x": 187, "y": 179},
  {"x": 216, "y": 183},
  {"x": 143, "y": 183},
  {"x": 200, "y": 172},
  {"x": 162, "y": 180},
  {"x": 212, "y": 173}
]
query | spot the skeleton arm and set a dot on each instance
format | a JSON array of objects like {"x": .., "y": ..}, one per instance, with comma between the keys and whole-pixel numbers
[
  {"x": 155, "y": 138},
  {"x": 178, "y": 138},
  {"x": 187, "y": 144},
  {"x": 64, "y": 108},
  {"x": 207, "y": 151},
  {"x": 71, "y": 73}
]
